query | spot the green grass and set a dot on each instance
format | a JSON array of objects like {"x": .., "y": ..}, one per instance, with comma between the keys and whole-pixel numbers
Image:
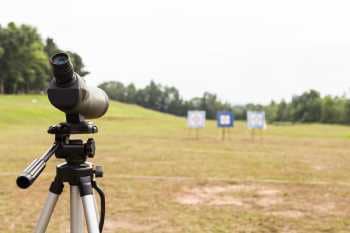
[{"x": 159, "y": 178}]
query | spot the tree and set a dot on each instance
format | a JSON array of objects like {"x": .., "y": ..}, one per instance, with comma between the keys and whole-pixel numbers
[
  {"x": 210, "y": 104},
  {"x": 282, "y": 113},
  {"x": 329, "y": 113},
  {"x": 24, "y": 60},
  {"x": 240, "y": 112},
  {"x": 131, "y": 93},
  {"x": 335, "y": 110},
  {"x": 171, "y": 101},
  {"x": 346, "y": 113},
  {"x": 307, "y": 107},
  {"x": 271, "y": 111},
  {"x": 23, "y": 63},
  {"x": 115, "y": 90},
  {"x": 153, "y": 96}
]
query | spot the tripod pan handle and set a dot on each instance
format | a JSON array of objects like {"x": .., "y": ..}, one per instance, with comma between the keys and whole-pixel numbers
[
  {"x": 30, "y": 174},
  {"x": 33, "y": 171}
]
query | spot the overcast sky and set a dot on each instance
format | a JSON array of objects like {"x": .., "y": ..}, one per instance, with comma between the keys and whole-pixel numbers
[{"x": 245, "y": 51}]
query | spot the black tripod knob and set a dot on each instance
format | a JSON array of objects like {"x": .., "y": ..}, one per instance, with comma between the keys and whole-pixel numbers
[
  {"x": 90, "y": 148},
  {"x": 99, "y": 171}
]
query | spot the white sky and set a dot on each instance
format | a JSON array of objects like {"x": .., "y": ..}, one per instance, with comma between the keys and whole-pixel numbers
[{"x": 245, "y": 51}]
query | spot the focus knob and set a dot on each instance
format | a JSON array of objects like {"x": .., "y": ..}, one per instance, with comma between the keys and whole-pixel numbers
[{"x": 99, "y": 171}]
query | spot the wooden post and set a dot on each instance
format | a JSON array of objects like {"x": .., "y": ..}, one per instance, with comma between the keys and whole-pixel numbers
[
  {"x": 261, "y": 135},
  {"x": 223, "y": 132},
  {"x": 253, "y": 134}
]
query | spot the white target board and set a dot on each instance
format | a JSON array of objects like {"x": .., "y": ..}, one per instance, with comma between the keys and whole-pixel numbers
[
  {"x": 196, "y": 119},
  {"x": 256, "y": 120}
]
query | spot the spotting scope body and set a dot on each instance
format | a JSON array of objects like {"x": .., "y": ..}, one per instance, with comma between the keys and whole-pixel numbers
[{"x": 69, "y": 93}]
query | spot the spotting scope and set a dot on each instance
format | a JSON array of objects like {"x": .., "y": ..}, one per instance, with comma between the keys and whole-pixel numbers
[{"x": 69, "y": 93}]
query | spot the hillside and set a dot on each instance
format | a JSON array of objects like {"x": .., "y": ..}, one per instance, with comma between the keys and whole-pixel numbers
[{"x": 35, "y": 110}]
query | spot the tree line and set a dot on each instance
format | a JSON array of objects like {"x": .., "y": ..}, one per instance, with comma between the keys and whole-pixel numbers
[
  {"x": 309, "y": 107},
  {"x": 24, "y": 58},
  {"x": 162, "y": 98}
]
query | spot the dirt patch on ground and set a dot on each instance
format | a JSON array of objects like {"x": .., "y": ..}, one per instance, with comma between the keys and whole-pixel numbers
[
  {"x": 190, "y": 199},
  {"x": 267, "y": 197},
  {"x": 237, "y": 195},
  {"x": 324, "y": 208},
  {"x": 288, "y": 214},
  {"x": 213, "y": 195},
  {"x": 276, "y": 200}
]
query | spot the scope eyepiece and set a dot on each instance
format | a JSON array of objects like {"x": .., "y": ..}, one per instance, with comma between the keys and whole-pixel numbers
[{"x": 62, "y": 68}]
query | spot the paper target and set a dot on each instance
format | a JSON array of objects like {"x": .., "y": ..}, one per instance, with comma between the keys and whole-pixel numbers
[
  {"x": 196, "y": 119},
  {"x": 256, "y": 120},
  {"x": 225, "y": 119}
]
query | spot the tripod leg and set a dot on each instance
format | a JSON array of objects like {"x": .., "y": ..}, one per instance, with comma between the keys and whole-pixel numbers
[
  {"x": 89, "y": 204},
  {"x": 76, "y": 210},
  {"x": 96, "y": 209},
  {"x": 44, "y": 219}
]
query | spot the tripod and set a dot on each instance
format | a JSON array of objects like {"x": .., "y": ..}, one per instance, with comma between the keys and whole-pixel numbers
[{"x": 79, "y": 174}]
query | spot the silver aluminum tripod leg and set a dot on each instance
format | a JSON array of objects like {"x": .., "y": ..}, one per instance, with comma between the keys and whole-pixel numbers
[
  {"x": 46, "y": 213},
  {"x": 90, "y": 213},
  {"x": 96, "y": 209},
  {"x": 76, "y": 211}
]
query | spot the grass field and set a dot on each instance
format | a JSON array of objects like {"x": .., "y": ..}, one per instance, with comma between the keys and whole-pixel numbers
[{"x": 159, "y": 179}]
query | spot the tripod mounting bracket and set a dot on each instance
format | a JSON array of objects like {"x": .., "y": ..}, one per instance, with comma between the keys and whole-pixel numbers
[
  {"x": 72, "y": 174},
  {"x": 85, "y": 127}
]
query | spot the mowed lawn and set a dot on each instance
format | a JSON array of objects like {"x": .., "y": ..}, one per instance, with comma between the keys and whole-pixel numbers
[{"x": 159, "y": 178}]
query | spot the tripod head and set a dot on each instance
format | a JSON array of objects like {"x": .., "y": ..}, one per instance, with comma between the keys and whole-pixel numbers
[
  {"x": 75, "y": 171},
  {"x": 74, "y": 151}
]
